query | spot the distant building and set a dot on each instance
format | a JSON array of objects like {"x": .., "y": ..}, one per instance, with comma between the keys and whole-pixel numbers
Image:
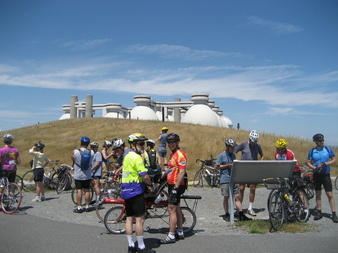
[{"x": 199, "y": 110}]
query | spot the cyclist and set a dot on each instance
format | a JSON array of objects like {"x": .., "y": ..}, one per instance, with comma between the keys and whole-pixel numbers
[
  {"x": 82, "y": 174},
  {"x": 250, "y": 150},
  {"x": 282, "y": 153},
  {"x": 320, "y": 159},
  {"x": 176, "y": 177},
  {"x": 134, "y": 178},
  {"x": 96, "y": 170},
  {"x": 105, "y": 160},
  {"x": 162, "y": 148},
  {"x": 224, "y": 164},
  {"x": 40, "y": 161},
  {"x": 151, "y": 161},
  {"x": 9, "y": 159}
]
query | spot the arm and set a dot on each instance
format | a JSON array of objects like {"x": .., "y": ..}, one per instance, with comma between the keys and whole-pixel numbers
[
  {"x": 105, "y": 157},
  {"x": 146, "y": 179}
]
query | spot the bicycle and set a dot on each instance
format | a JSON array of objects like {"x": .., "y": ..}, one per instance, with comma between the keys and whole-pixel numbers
[
  {"x": 19, "y": 181},
  {"x": 65, "y": 179},
  {"x": 11, "y": 196},
  {"x": 336, "y": 183},
  {"x": 115, "y": 218},
  {"x": 206, "y": 174},
  {"x": 91, "y": 191},
  {"x": 286, "y": 202},
  {"x": 49, "y": 180}
]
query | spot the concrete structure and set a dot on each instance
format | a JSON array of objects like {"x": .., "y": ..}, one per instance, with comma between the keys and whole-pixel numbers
[{"x": 199, "y": 110}]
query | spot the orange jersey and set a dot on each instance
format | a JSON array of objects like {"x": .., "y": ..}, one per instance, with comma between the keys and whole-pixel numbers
[{"x": 178, "y": 161}]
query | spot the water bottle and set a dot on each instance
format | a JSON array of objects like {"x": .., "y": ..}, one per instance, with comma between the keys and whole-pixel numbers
[
  {"x": 158, "y": 199},
  {"x": 1, "y": 185},
  {"x": 286, "y": 196}
]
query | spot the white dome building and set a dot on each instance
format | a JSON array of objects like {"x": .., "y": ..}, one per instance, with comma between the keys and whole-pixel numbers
[
  {"x": 227, "y": 121},
  {"x": 143, "y": 111},
  {"x": 114, "y": 111},
  {"x": 200, "y": 113}
]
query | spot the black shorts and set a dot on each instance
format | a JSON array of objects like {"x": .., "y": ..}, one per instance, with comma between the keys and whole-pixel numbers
[
  {"x": 135, "y": 206},
  {"x": 322, "y": 179},
  {"x": 10, "y": 174},
  {"x": 82, "y": 184},
  {"x": 38, "y": 174},
  {"x": 175, "y": 200}
]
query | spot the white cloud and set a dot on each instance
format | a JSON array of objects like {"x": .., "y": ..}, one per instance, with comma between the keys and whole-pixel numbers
[
  {"x": 80, "y": 45},
  {"x": 273, "y": 26}
]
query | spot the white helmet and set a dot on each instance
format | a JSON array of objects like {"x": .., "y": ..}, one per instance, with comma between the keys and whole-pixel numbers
[
  {"x": 107, "y": 144},
  {"x": 151, "y": 142},
  {"x": 118, "y": 143},
  {"x": 254, "y": 136},
  {"x": 230, "y": 142},
  {"x": 8, "y": 138}
]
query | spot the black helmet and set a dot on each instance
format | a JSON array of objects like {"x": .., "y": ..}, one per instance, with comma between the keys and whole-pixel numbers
[
  {"x": 230, "y": 142},
  {"x": 39, "y": 145},
  {"x": 173, "y": 136},
  {"x": 318, "y": 137}
]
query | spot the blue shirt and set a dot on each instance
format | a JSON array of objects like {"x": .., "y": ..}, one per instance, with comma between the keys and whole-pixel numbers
[
  {"x": 321, "y": 156},
  {"x": 222, "y": 159}
]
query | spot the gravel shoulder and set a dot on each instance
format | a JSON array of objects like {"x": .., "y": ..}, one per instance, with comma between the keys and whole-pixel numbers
[{"x": 209, "y": 211}]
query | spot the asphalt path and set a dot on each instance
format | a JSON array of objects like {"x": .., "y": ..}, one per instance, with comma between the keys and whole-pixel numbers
[{"x": 51, "y": 226}]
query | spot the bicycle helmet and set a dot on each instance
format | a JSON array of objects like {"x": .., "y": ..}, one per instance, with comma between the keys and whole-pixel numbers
[
  {"x": 107, "y": 144},
  {"x": 39, "y": 145},
  {"x": 151, "y": 142},
  {"x": 281, "y": 143},
  {"x": 318, "y": 137},
  {"x": 8, "y": 138},
  {"x": 173, "y": 136},
  {"x": 230, "y": 142},
  {"x": 118, "y": 143},
  {"x": 254, "y": 136},
  {"x": 165, "y": 129},
  {"x": 136, "y": 137},
  {"x": 85, "y": 139},
  {"x": 94, "y": 144}
]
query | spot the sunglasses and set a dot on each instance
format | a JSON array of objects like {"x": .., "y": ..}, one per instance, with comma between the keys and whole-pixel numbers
[
  {"x": 141, "y": 143},
  {"x": 320, "y": 140},
  {"x": 170, "y": 142}
]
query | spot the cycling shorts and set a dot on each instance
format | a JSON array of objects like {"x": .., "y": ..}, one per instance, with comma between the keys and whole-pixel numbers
[
  {"x": 38, "y": 174},
  {"x": 135, "y": 206},
  {"x": 322, "y": 179},
  {"x": 10, "y": 174},
  {"x": 175, "y": 200},
  {"x": 82, "y": 184}
]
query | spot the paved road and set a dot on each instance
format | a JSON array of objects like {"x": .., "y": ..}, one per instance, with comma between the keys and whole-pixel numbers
[{"x": 51, "y": 226}]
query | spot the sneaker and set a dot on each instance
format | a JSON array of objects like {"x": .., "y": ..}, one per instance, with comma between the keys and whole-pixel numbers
[
  {"x": 76, "y": 210},
  {"x": 236, "y": 214},
  {"x": 167, "y": 240},
  {"x": 87, "y": 209},
  {"x": 36, "y": 199},
  {"x": 131, "y": 249},
  {"x": 179, "y": 236},
  {"x": 318, "y": 216},
  {"x": 146, "y": 250},
  {"x": 226, "y": 217},
  {"x": 43, "y": 198},
  {"x": 252, "y": 212},
  {"x": 334, "y": 218},
  {"x": 243, "y": 217}
]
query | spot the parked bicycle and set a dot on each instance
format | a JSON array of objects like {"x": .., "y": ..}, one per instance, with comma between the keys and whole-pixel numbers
[
  {"x": 309, "y": 188},
  {"x": 50, "y": 179},
  {"x": 115, "y": 218},
  {"x": 11, "y": 196},
  {"x": 286, "y": 202},
  {"x": 206, "y": 175},
  {"x": 65, "y": 179}
]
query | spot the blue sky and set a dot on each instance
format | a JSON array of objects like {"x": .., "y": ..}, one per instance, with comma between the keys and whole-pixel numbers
[{"x": 270, "y": 65}]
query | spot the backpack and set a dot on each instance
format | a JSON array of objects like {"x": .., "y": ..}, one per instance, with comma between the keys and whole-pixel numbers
[
  {"x": 152, "y": 159},
  {"x": 85, "y": 159}
]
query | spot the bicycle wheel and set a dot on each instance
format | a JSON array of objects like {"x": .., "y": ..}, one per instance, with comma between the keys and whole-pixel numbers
[
  {"x": 269, "y": 198},
  {"x": 189, "y": 219},
  {"x": 158, "y": 211},
  {"x": 19, "y": 181},
  {"x": 276, "y": 210},
  {"x": 115, "y": 220},
  {"x": 198, "y": 179},
  {"x": 74, "y": 191},
  {"x": 102, "y": 209},
  {"x": 62, "y": 183},
  {"x": 336, "y": 183},
  {"x": 11, "y": 197},
  {"x": 28, "y": 181},
  {"x": 52, "y": 181},
  {"x": 301, "y": 206},
  {"x": 310, "y": 193}
]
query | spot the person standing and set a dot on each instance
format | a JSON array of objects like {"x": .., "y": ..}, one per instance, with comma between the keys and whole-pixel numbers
[
  {"x": 162, "y": 147},
  {"x": 9, "y": 159},
  {"x": 176, "y": 177},
  {"x": 250, "y": 150},
  {"x": 134, "y": 180},
  {"x": 96, "y": 170},
  {"x": 224, "y": 164},
  {"x": 320, "y": 158},
  {"x": 105, "y": 160},
  {"x": 151, "y": 161},
  {"x": 82, "y": 159},
  {"x": 40, "y": 161}
]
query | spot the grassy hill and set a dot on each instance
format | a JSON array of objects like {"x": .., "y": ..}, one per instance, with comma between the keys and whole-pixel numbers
[{"x": 61, "y": 137}]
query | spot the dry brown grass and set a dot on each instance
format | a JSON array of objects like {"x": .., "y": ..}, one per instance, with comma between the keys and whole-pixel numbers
[{"x": 62, "y": 136}]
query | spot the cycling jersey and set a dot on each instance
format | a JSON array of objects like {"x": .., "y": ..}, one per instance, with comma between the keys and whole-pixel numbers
[
  {"x": 177, "y": 161},
  {"x": 133, "y": 170},
  {"x": 318, "y": 156},
  {"x": 288, "y": 155},
  {"x": 8, "y": 157}
]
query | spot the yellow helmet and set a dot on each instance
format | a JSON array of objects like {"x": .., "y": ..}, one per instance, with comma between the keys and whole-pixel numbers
[
  {"x": 281, "y": 143},
  {"x": 165, "y": 129}
]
